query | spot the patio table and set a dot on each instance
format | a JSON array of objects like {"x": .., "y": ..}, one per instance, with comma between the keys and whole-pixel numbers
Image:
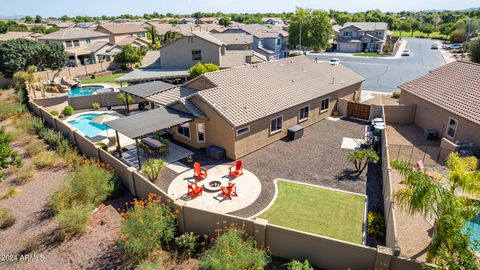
[{"x": 153, "y": 143}]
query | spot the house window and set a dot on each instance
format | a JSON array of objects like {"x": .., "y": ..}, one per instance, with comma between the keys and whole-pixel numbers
[
  {"x": 200, "y": 132},
  {"x": 243, "y": 130},
  {"x": 197, "y": 55},
  {"x": 142, "y": 35},
  {"x": 76, "y": 43},
  {"x": 184, "y": 130},
  {"x": 378, "y": 33},
  {"x": 276, "y": 124},
  {"x": 347, "y": 34},
  {"x": 303, "y": 114},
  {"x": 87, "y": 41},
  {"x": 324, "y": 105},
  {"x": 68, "y": 43},
  {"x": 278, "y": 41},
  {"x": 190, "y": 39},
  {"x": 451, "y": 128}
]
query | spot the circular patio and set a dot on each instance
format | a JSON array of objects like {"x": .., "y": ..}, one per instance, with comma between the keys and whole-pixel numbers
[{"x": 248, "y": 189}]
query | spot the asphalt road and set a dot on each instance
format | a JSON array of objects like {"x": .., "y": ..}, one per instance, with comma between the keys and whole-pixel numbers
[{"x": 383, "y": 74}]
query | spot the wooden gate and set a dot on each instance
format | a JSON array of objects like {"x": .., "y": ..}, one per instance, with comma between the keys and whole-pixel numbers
[{"x": 358, "y": 110}]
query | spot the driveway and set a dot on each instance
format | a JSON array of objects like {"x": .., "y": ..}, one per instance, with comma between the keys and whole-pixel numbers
[{"x": 386, "y": 74}]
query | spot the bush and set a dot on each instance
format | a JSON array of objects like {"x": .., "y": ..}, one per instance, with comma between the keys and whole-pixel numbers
[
  {"x": 121, "y": 98},
  {"x": 68, "y": 110},
  {"x": 230, "y": 251},
  {"x": 294, "y": 54},
  {"x": 96, "y": 106},
  {"x": 8, "y": 110},
  {"x": 376, "y": 225},
  {"x": 152, "y": 168},
  {"x": 30, "y": 124},
  {"x": 35, "y": 148},
  {"x": 55, "y": 113},
  {"x": 6, "y": 219},
  {"x": 74, "y": 221},
  {"x": 46, "y": 159},
  {"x": 155, "y": 261},
  {"x": 24, "y": 174},
  {"x": 396, "y": 95},
  {"x": 118, "y": 189},
  {"x": 102, "y": 145},
  {"x": 474, "y": 48},
  {"x": 145, "y": 227},
  {"x": 11, "y": 192},
  {"x": 55, "y": 140},
  {"x": 8, "y": 156},
  {"x": 296, "y": 265},
  {"x": 187, "y": 243}
]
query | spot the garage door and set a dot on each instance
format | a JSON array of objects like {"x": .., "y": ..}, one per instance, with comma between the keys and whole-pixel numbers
[{"x": 347, "y": 47}]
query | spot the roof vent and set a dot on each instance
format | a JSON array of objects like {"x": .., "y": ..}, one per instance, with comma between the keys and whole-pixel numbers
[
  {"x": 333, "y": 80},
  {"x": 293, "y": 81}
]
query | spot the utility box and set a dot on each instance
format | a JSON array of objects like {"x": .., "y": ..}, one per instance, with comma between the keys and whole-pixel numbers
[
  {"x": 430, "y": 134},
  {"x": 295, "y": 132}
]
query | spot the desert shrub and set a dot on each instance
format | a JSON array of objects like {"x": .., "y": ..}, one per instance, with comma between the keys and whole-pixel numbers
[
  {"x": 30, "y": 124},
  {"x": 6, "y": 219},
  {"x": 55, "y": 113},
  {"x": 74, "y": 221},
  {"x": 24, "y": 174},
  {"x": 121, "y": 98},
  {"x": 90, "y": 183},
  {"x": 294, "y": 54},
  {"x": 117, "y": 190},
  {"x": 37, "y": 124},
  {"x": 230, "y": 251},
  {"x": 8, "y": 110},
  {"x": 147, "y": 225},
  {"x": 68, "y": 110},
  {"x": 155, "y": 261},
  {"x": 151, "y": 169},
  {"x": 11, "y": 192},
  {"x": 376, "y": 225},
  {"x": 187, "y": 243},
  {"x": 396, "y": 95},
  {"x": 297, "y": 265},
  {"x": 96, "y": 106},
  {"x": 35, "y": 148},
  {"x": 8, "y": 156},
  {"x": 102, "y": 145},
  {"x": 55, "y": 140},
  {"x": 46, "y": 159}
]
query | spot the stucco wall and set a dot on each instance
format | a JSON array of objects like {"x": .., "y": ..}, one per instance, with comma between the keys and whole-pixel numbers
[
  {"x": 399, "y": 114},
  {"x": 75, "y": 72},
  {"x": 428, "y": 115},
  {"x": 179, "y": 53}
]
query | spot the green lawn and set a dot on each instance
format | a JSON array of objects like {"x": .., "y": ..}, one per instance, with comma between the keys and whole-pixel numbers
[
  {"x": 318, "y": 210},
  {"x": 104, "y": 79},
  {"x": 435, "y": 35},
  {"x": 367, "y": 54}
]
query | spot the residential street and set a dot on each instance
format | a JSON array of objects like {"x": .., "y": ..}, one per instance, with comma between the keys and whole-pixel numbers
[{"x": 385, "y": 74}]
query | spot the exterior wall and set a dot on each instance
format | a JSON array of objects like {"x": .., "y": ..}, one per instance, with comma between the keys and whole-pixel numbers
[
  {"x": 76, "y": 72},
  {"x": 82, "y": 41},
  {"x": 271, "y": 44},
  {"x": 399, "y": 114},
  {"x": 179, "y": 53},
  {"x": 428, "y": 115}
]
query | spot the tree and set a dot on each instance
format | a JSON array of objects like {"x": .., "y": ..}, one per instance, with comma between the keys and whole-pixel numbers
[
  {"x": 361, "y": 158},
  {"x": 405, "y": 27},
  {"x": 458, "y": 36},
  {"x": 427, "y": 28},
  {"x": 153, "y": 36},
  {"x": 342, "y": 18},
  {"x": 170, "y": 36},
  {"x": 310, "y": 29},
  {"x": 152, "y": 168},
  {"x": 225, "y": 21},
  {"x": 18, "y": 54},
  {"x": 434, "y": 195},
  {"x": 128, "y": 56},
  {"x": 38, "y": 19},
  {"x": 28, "y": 19},
  {"x": 124, "y": 98},
  {"x": 3, "y": 27},
  {"x": 414, "y": 25},
  {"x": 474, "y": 48},
  {"x": 199, "y": 69}
]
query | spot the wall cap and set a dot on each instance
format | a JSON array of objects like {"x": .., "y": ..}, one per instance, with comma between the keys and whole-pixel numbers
[
  {"x": 132, "y": 169},
  {"x": 261, "y": 221}
]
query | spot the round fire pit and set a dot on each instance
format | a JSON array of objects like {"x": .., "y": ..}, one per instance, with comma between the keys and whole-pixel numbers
[{"x": 213, "y": 185}]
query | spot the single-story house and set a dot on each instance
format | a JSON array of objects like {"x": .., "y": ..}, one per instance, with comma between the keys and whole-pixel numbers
[{"x": 447, "y": 99}]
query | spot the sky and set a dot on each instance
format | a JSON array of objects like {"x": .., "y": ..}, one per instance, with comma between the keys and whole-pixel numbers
[{"x": 57, "y": 8}]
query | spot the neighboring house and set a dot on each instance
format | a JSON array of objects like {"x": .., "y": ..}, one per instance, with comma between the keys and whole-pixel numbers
[
  {"x": 207, "y": 20},
  {"x": 244, "y": 109},
  {"x": 82, "y": 45},
  {"x": 87, "y": 25},
  {"x": 224, "y": 50},
  {"x": 362, "y": 36},
  {"x": 273, "y": 21},
  {"x": 447, "y": 100},
  {"x": 187, "y": 21},
  {"x": 183, "y": 29},
  {"x": 61, "y": 24},
  {"x": 119, "y": 31},
  {"x": 17, "y": 35}
]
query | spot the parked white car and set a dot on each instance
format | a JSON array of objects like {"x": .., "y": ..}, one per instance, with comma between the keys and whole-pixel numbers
[
  {"x": 435, "y": 46},
  {"x": 334, "y": 61},
  {"x": 406, "y": 52}
]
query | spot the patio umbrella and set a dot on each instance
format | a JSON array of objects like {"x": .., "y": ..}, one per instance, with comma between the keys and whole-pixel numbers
[{"x": 104, "y": 118}]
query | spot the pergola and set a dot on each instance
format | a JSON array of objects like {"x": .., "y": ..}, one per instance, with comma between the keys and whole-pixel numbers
[
  {"x": 141, "y": 124},
  {"x": 153, "y": 74},
  {"x": 144, "y": 90}
]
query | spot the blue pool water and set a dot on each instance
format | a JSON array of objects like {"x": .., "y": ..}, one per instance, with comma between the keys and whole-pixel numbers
[
  {"x": 473, "y": 227},
  {"x": 85, "y": 125},
  {"x": 84, "y": 90}
]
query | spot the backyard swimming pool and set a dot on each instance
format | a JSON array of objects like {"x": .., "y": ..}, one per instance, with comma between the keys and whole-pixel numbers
[
  {"x": 473, "y": 227},
  {"x": 84, "y": 90},
  {"x": 91, "y": 129}
]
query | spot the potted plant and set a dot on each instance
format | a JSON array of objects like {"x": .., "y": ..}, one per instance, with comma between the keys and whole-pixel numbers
[{"x": 190, "y": 159}]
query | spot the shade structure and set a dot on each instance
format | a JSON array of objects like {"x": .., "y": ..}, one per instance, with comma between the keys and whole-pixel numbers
[
  {"x": 137, "y": 125},
  {"x": 153, "y": 74},
  {"x": 104, "y": 118}
]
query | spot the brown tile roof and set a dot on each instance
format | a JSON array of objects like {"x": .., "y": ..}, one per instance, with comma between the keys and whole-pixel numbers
[
  {"x": 234, "y": 38},
  {"x": 245, "y": 94},
  {"x": 454, "y": 87},
  {"x": 15, "y": 35},
  {"x": 72, "y": 33},
  {"x": 122, "y": 28}
]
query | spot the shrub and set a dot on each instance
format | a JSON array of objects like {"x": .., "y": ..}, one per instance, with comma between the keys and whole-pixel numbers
[
  {"x": 55, "y": 113},
  {"x": 68, "y": 110},
  {"x": 145, "y": 227},
  {"x": 102, "y": 145},
  {"x": 121, "y": 97},
  {"x": 296, "y": 265},
  {"x": 294, "y": 54},
  {"x": 118, "y": 189},
  {"x": 46, "y": 159},
  {"x": 74, "y": 221},
  {"x": 30, "y": 124},
  {"x": 152, "y": 168},
  {"x": 187, "y": 243},
  {"x": 396, "y": 95},
  {"x": 376, "y": 225},
  {"x": 8, "y": 156},
  {"x": 6, "y": 219},
  {"x": 231, "y": 251},
  {"x": 8, "y": 110},
  {"x": 96, "y": 106},
  {"x": 24, "y": 174},
  {"x": 55, "y": 140},
  {"x": 37, "y": 124},
  {"x": 35, "y": 148},
  {"x": 155, "y": 261},
  {"x": 11, "y": 192}
]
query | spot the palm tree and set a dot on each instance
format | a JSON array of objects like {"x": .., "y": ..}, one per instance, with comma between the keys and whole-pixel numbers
[{"x": 361, "y": 158}]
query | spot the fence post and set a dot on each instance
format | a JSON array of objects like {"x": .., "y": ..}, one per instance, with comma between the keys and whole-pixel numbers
[
  {"x": 180, "y": 217},
  {"x": 259, "y": 231},
  {"x": 383, "y": 259}
]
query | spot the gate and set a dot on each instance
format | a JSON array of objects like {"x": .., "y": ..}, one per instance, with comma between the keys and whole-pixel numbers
[{"x": 358, "y": 110}]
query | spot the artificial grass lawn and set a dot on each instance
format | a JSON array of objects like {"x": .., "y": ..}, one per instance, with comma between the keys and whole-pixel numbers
[
  {"x": 435, "y": 35},
  {"x": 318, "y": 210},
  {"x": 104, "y": 79},
  {"x": 368, "y": 54}
]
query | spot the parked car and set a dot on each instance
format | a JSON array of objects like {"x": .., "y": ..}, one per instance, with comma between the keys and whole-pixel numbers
[
  {"x": 435, "y": 47},
  {"x": 334, "y": 61},
  {"x": 406, "y": 52},
  {"x": 454, "y": 47}
]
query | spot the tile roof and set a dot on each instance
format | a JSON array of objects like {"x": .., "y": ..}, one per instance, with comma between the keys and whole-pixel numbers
[
  {"x": 171, "y": 95},
  {"x": 454, "y": 87},
  {"x": 122, "y": 28},
  {"x": 367, "y": 26},
  {"x": 15, "y": 35},
  {"x": 234, "y": 38},
  {"x": 208, "y": 37},
  {"x": 261, "y": 31},
  {"x": 245, "y": 94},
  {"x": 72, "y": 33}
]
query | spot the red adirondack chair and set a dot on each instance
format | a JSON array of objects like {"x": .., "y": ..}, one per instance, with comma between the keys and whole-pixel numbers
[
  {"x": 238, "y": 169},
  {"x": 198, "y": 171},
  {"x": 229, "y": 191},
  {"x": 194, "y": 190}
]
